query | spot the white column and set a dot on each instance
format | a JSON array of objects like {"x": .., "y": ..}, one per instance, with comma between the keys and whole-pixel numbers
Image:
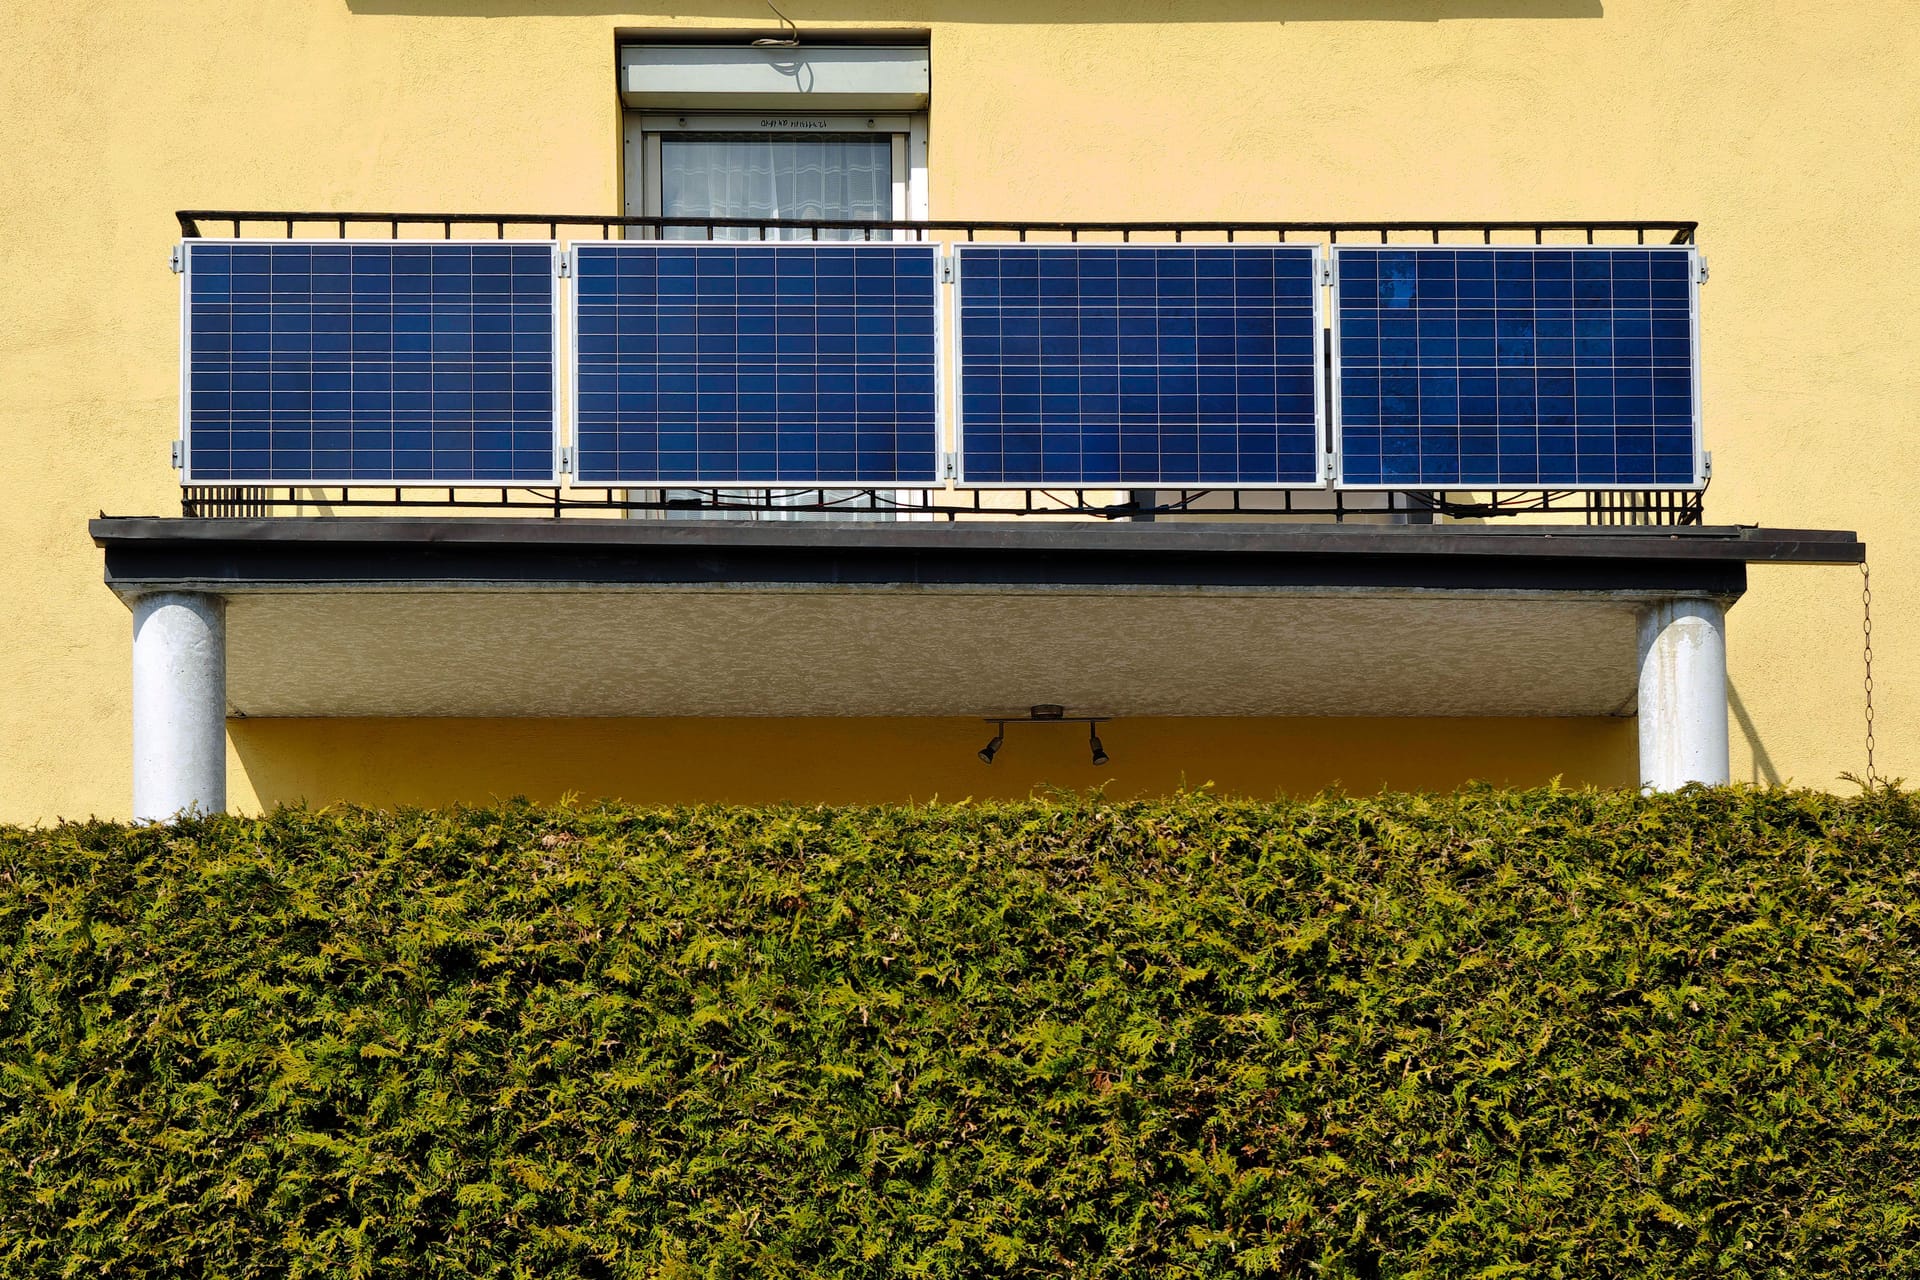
[
  {"x": 179, "y": 705},
  {"x": 1683, "y": 694}
]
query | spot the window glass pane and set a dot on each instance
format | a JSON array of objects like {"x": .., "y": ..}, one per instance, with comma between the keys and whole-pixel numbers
[{"x": 774, "y": 176}]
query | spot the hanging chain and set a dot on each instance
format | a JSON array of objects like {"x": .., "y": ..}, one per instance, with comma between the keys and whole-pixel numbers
[{"x": 1866, "y": 633}]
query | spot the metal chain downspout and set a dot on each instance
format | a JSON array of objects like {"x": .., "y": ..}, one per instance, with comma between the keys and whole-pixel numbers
[{"x": 1866, "y": 632}]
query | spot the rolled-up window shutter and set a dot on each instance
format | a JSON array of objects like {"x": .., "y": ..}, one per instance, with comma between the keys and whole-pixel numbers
[{"x": 693, "y": 77}]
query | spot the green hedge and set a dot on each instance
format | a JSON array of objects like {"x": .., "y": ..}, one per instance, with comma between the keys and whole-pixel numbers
[{"x": 1529, "y": 1034}]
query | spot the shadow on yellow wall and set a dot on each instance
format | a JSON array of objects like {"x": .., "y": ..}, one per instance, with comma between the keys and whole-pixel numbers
[
  {"x": 1762, "y": 770},
  {"x": 837, "y": 761}
]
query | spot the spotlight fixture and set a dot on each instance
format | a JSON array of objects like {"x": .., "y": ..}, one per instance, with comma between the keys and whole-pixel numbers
[{"x": 1043, "y": 713}]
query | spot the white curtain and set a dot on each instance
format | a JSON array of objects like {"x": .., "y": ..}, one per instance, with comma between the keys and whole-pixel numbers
[
  {"x": 846, "y": 175},
  {"x": 774, "y": 176}
]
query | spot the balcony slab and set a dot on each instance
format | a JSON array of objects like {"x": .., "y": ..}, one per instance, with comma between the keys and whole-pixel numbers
[{"x": 520, "y": 617}]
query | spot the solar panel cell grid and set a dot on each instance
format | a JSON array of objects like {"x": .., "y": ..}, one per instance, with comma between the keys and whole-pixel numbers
[
  {"x": 1092, "y": 365},
  {"x": 723, "y": 364},
  {"x": 335, "y": 362},
  {"x": 1521, "y": 367},
  {"x": 812, "y": 364}
]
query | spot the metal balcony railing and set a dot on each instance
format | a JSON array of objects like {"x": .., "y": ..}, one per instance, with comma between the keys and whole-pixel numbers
[{"x": 1607, "y": 507}]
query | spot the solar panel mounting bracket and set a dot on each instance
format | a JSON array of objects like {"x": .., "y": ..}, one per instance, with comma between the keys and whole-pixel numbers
[
  {"x": 562, "y": 264},
  {"x": 949, "y": 464},
  {"x": 178, "y": 452},
  {"x": 1326, "y": 271},
  {"x": 947, "y": 268},
  {"x": 566, "y": 460},
  {"x": 1700, "y": 268},
  {"x": 177, "y": 263}
]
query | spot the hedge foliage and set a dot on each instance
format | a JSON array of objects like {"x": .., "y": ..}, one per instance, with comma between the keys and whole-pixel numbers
[{"x": 1546, "y": 1033}]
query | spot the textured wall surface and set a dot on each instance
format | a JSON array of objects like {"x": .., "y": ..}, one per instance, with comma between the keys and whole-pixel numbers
[
  {"x": 925, "y": 653},
  {"x": 1787, "y": 130}
]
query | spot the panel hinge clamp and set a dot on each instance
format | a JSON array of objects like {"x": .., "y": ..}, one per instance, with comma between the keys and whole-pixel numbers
[
  {"x": 946, "y": 268},
  {"x": 1326, "y": 271},
  {"x": 566, "y": 460},
  {"x": 1700, "y": 268},
  {"x": 949, "y": 464},
  {"x": 179, "y": 454},
  {"x": 562, "y": 264},
  {"x": 1706, "y": 466},
  {"x": 177, "y": 263}
]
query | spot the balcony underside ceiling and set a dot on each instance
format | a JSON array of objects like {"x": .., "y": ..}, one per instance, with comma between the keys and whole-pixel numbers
[
  {"x": 748, "y": 652},
  {"x": 516, "y": 617}
]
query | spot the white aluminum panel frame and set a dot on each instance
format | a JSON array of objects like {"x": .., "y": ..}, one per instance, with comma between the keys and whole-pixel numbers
[
  {"x": 1319, "y": 375},
  {"x": 657, "y": 482},
  {"x": 186, "y": 367},
  {"x": 1700, "y": 468}
]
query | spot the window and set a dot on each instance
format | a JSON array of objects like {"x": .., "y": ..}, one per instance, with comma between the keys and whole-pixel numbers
[
  {"x": 740, "y": 130},
  {"x": 830, "y": 167},
  {"x": 726, "y": 132}
]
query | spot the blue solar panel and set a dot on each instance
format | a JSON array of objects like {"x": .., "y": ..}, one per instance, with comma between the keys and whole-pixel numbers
[
  {"x": 332, "y": 362},
  {"x": 1526, "y": 367},
  {"x": 1140, "y": 365},
  {"x": 717, "y": 364}
]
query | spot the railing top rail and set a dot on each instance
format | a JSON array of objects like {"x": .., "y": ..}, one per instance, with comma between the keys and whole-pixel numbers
[{"x": 1678, "y": 231}]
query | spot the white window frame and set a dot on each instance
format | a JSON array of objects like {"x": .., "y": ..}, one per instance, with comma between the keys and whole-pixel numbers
[{"x": 645, "y": 129}]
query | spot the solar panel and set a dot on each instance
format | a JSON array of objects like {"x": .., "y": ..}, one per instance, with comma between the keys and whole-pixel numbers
[
  {"x": 780, "y": 363},
  {"x": 1140, "y": 365},
  {"x": 345, "y": 362},
  {"x": 1520, "y": 366}
]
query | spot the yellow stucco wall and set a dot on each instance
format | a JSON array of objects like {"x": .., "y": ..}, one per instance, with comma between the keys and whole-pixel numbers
[
  {"x": 1788, "y": 129},
  {"x": 857, "y": 760}
]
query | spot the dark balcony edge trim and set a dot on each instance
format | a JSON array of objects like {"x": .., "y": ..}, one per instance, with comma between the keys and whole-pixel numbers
[
  {"x": 1744, "y": 543},
  {"x": 144, "y": 554}
]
